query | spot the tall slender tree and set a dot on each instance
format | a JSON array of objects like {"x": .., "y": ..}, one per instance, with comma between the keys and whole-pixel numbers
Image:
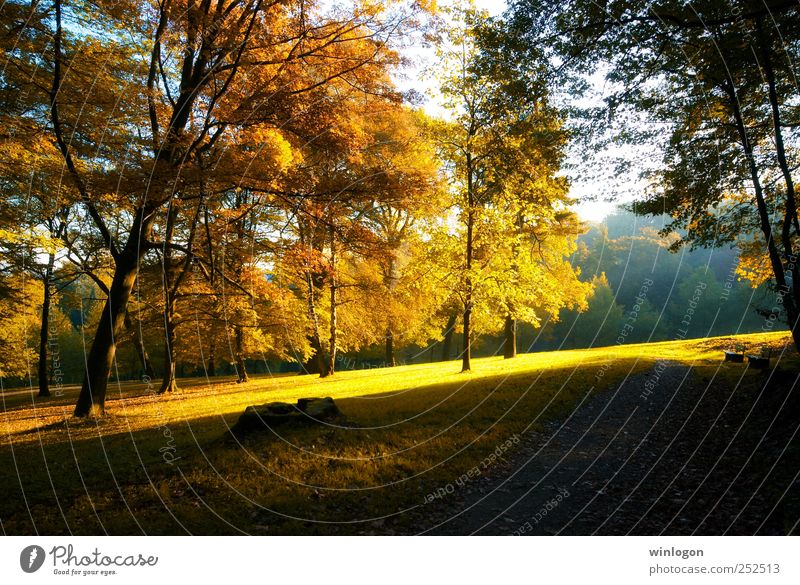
[{"x": 504, "y": 143}]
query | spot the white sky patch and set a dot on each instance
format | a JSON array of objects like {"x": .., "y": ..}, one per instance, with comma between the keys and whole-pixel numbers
[{"x": 420, "y": 76}]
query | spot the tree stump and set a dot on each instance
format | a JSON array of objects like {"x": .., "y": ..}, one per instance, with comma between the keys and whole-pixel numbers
[{"x": 306, "y": 412}]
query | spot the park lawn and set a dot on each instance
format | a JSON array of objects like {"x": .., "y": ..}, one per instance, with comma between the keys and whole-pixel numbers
[{"x": 166, "y": 464}]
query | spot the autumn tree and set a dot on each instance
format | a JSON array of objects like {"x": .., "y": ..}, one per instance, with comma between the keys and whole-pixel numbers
[
  {"x": 406, "y": 294},
  {"x": 503, "y": 144},
  {"x": 36, "y": 203},
  {"x": 407, "y": 196},
  {"x": 356, "y": 192},
  {"x": 206, "y": 69},
  {"x": 18, "y": 311}
]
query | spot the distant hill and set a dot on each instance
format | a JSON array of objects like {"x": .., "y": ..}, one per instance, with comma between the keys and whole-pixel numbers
[{"x": 644, "y": 292}]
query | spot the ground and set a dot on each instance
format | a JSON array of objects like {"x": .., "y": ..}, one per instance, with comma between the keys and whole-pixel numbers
[{"x": 645, "y": 439}]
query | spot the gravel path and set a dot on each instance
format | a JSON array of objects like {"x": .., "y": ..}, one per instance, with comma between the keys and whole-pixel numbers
[{"x": 661, "y": 453}]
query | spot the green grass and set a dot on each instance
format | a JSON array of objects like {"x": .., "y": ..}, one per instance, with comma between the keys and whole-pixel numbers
[{"x": 165, "y": 464}]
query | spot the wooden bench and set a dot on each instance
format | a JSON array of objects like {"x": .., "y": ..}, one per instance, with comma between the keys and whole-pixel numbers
[{"x": 760, "y": 361}]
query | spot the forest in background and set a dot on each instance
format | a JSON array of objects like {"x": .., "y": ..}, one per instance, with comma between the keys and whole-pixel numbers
[
  {"x": 619, "y": 256},
  {"x": 643, "y": 291},
  {"x": 219, "y": 184},
  {"x": 234, "y": 186}
]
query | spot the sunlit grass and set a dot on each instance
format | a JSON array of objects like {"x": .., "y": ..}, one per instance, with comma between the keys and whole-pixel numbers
[{"x": 165, "y": 463}]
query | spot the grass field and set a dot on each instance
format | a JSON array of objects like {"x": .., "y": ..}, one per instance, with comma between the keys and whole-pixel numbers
[{"x": 166, "y": 464}]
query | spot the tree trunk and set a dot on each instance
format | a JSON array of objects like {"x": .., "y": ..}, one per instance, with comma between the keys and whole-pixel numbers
[
  {"x": 390, "y": 361},
  {"x": 466, "y": 354},
  {"x": 332, "y": 340},
  {"x": 390, "y": 280},
  {"x": 173, "y": 276},
  {"x": 776, "y": 263},
  {"x": 144, "y": 357},
  {"x": 138, "y": 344},
  {"x": 790, "y": 218},
  {"x": 793, "y": 317},
  {"x": 316, "y": 363},
  {"x": 168, "y": 382},
  {"x": 447, "y": 342},
  {"x": 510, "y": 344},
  {"x": 211, "y": 370},
  {"x": 466, "y": 357},
  {"x": 44, "y": 331},
  {"x": 92, "y": 397},
  {"x": 241, "y": 371}
]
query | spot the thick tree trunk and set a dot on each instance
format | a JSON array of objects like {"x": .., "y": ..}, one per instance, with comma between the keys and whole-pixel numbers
[
  {"x": 510, "y": 344},
  {"x": 447, "y": 342},
  {"x": 91, "y": 399},
  {"x": 241, "y": 370},
  {"x": 44, "y": 331},
  {"x": 169, "y": 382},
  {"x": 316, "y": 363}
]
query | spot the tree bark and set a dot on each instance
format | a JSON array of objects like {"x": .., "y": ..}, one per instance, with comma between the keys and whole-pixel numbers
[
  {"x": 241, "y": 370},
  {"x": 789, "y": 300},
  {"x": 138, "y": 344},
  {"x": 447, "y": 342},
  {"x": 44, "y": 331},
  {"x": 332, "y": 340},
  {"x": 510, "y": 344},
  {"x": 466, "y": 354},
  {"x": 211, "y": 370},
  {"x": 169, "y": 382},
  {"x": 144, "y": 357},
  {"x": 390, "y": 360},
  {"x": 316, "y": 363},
  {"x": 91, "y": 399},
  {"x": 314, "y": 282},
  {"x": 390, "y": 280},
  {"x": 790, "y": 218},
  {"x": 173, "y": 275}
]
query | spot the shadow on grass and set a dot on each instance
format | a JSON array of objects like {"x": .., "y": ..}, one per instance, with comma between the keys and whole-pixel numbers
[{"x": 187, "y": 476}]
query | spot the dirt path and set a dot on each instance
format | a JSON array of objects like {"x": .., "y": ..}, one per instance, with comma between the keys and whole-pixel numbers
[{"x": 662, "y": 452}]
